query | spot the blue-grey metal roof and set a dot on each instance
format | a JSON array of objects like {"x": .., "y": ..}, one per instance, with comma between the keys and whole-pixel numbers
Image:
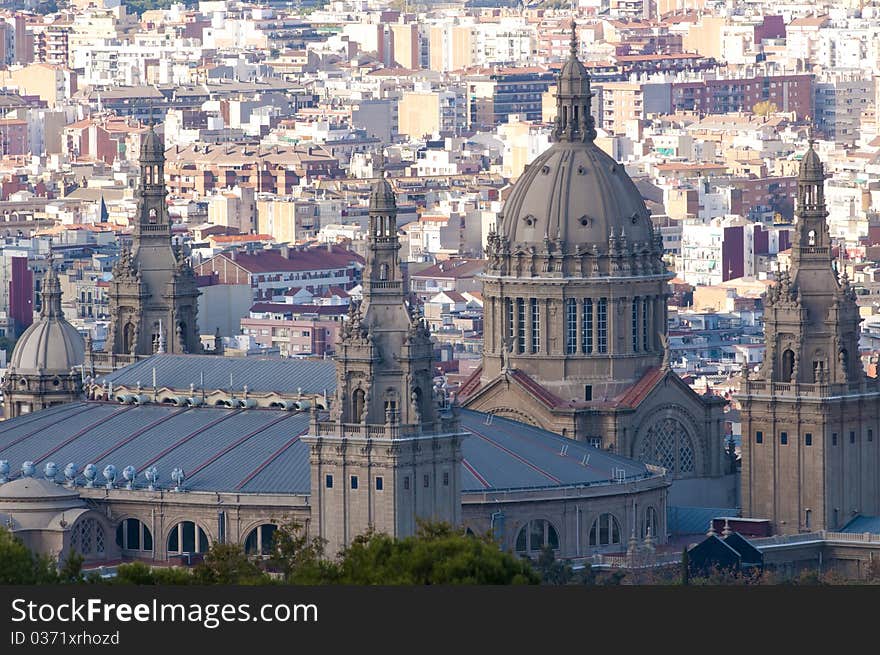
[
  {"x": 862, "y": 524},
  {"x": 260, "y": 374},
  {"x": 261, "y": 451},
  {"x": 694, "y": 520}
]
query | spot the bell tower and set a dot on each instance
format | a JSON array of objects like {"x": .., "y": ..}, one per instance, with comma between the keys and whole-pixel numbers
[
  {"x": 153, "y": 294},
  {"x": 390, "y": 452},
  {"x": 810, "y": 416}
]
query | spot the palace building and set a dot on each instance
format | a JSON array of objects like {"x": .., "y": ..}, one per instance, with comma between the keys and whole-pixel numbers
[
  {"x": 810, "y": 416},
  {"x": 164, "y": 457},
  {"x": 575, "y": 298}
]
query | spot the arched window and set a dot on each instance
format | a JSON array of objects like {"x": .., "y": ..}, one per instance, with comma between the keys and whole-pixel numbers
[
  {"x": 536, "y": 534},
  {"x": 133, "y": 534},
  {"x": 668, "y": 444},
  {"x": 650, "y": 522},
  {"x": 152, "y": 218},
  {"x": 357, "y": 405},
  {"x": 259, "y": 541},
  {"x": 787, "y": 364},
  {"x": 87, "y": 538},
  {"x": 187, "y": 537},
  {"x": 811, "y": 237},
  {"x": 605, "y": 531}
]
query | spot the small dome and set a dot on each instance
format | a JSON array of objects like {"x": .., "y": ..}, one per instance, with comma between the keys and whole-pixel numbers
[
  {"x": 811, "y": 167},
  {"x": 152, "y": 147},
  {"x": 382, "y": 195},
  {"x": 50, "y": 345},
  {"x": 577, "y": 193},
  {"x": 34, "y": 490}
]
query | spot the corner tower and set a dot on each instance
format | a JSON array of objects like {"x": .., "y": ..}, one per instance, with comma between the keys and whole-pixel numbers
[
  {"x": 390, "y": 452},
  {"x": 153, "y": 293},
  {"x": 811, "y": 417}
]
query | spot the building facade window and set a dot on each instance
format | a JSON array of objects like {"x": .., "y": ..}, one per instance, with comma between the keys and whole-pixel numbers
[
  {"x": 354, "y": 482},
  {"x": 328, "y": 481},
  {"x": 645, "y": 340},
  {"x": 132, "y": 534},
  {"x": 605, "y": 531},
  {"x": 852, "y": 437},
  {"x": 535, "y": 535},
  {"x": 87, "y": 538},
  {"x": 759, "y": 437},
  {"x": 511, "y": 324},
  {"x": 187, "y": 537},
  {"x": 259, "y": 540},
  {"x": 570, "y": 326},
  {"x": 520, "y": 325},
  {"x": 587, "y": 327},
  {"x": 668, "y": 444},
  {"x": 650, "y": 522},
  {"x": 536, "y": 325},
  {"x": 808, "y": 439},
  {"x": 602, "y": 326},
  {"x": 380, "y": 483},
  {"x": 635, "y": 324},
  {"x": 783, "y": 438},
  {"x": 833, "y": 438}
]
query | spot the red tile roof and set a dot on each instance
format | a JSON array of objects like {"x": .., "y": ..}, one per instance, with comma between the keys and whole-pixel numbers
[
  {"x": 471, "y": 384},
  {"x": 547, "y": 397},
  {"x": 636, "y": 393}
]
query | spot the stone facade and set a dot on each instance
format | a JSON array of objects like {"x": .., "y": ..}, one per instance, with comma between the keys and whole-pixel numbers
[
  {"x": 390, "y": 454},
  {"x": 153, "y": 294},
  {"x": 811, "y": 417},
  {"x": 575, "y": 295}
]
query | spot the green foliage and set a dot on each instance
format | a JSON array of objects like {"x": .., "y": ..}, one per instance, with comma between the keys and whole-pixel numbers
[
  {"x": 140, "y": 6},
  {"x": 71, "y": 570},
  {"x": 18, "y": 565},
  {"x": 299, "y": 559},
  {"x": 437, "y": 554},
  {"x": 554, "y": 572},
  {"x": 141, "y": 574},
  {"x": 227, "y": 564}
]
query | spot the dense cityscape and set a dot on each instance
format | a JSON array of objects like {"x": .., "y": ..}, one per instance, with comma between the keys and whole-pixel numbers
[{"x": 593, "y": 284}]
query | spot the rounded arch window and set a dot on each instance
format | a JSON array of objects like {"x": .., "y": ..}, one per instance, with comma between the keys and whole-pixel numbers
[
  {"x": 259, "y": 540},
  {"x": 535, "y": 535},
  {"x": 133, "y": 534},
  {"x": 187, "y": 537},
  {"x": 668, "y": 444},
  {"x": 87, "y": 538},
  {"x": 605, "y": 531}
]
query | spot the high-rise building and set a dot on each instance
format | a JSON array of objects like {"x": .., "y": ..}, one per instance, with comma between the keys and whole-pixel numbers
[
  {"x": 810, "y": 417},
  {"x": 386, "y": 431}
]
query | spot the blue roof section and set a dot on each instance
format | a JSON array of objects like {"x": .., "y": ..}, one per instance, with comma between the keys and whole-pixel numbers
[
  {"x": 260, "y": 374},
  {"x": 862, "y": 524},
  {"x": 511, "y": 455},
  {"x": 261, "y": 450},
  {"x": 694, "y": 520}
]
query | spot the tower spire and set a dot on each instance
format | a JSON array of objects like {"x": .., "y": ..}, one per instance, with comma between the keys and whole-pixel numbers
[
  {"x": 51, "y": 290},
  {"x": 574, "y": 121}
]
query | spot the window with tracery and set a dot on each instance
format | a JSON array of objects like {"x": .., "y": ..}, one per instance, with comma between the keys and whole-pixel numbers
[{"x": 668, "y": 444}]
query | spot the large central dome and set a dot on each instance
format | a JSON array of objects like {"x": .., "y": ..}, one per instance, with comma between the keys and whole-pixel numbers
[{"x": 574, "y": 193}]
